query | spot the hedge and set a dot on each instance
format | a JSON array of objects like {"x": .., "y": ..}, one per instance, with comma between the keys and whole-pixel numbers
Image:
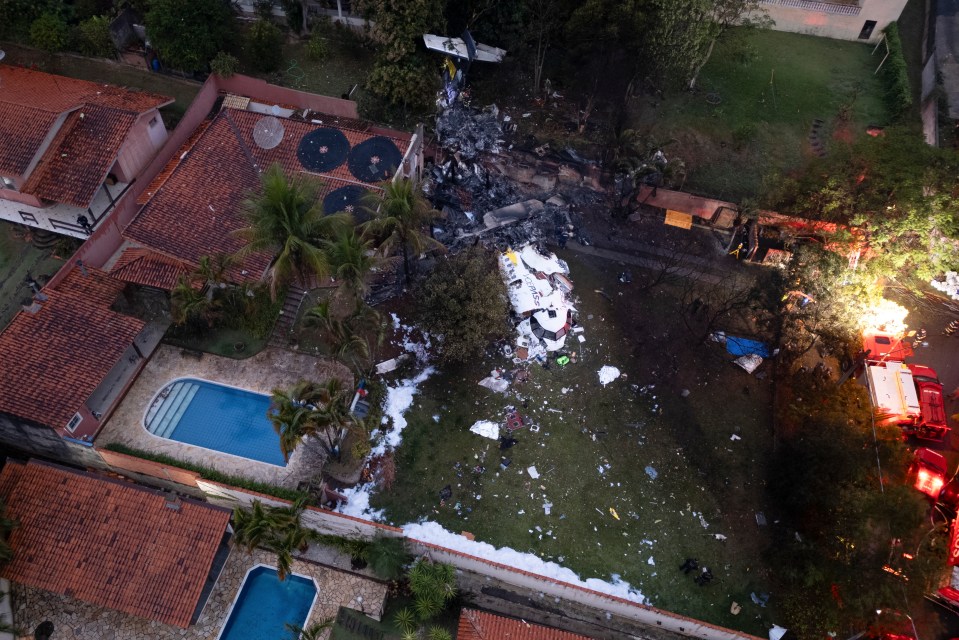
[
  {"x": 210, "y": 474},
  {"x": 896, "y": 75}
]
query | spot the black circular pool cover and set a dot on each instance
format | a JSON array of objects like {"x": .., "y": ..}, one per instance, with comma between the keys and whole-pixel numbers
[
  {"x": 323, "y": 149},
  {"x": 375, "y": 159},
  {"x": 348, "y": 199}
]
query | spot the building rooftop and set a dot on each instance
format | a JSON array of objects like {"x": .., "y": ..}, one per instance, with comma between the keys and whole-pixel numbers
[
  {"x": 479, "y": 625},
  {"x": 54, "y": 357},
  {"x": 109, "y": 543},
  {"x": 194, "y": 206},
  {"x": 89, "y": 122}
]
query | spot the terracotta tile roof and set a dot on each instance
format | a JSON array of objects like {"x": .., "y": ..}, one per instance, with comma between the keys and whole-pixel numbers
[
  {"x": 80, "y": 156},
  {"x": 58, "y": 93},
  {"x": 479, "y": 625},
  {"x": 142, "y": 266},
  {"x": 31, "y": 103},
  {"x": 109, "y": 543},
  {"x": 174, "y": 162},
  {"x": 52, "y": 360},
  {"x": 193, "y": 208},
  {"x": 22, "y": 130}
]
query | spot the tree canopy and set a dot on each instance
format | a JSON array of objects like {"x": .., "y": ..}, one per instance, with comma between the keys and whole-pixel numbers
[
  {"x": 464, "y": 302},
  {"x": 187, "y": 34}
]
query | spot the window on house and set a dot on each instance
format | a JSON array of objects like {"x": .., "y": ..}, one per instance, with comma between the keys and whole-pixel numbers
[
  {"x": 867, "y": 28},
  {"x": 28, "y": 217}
]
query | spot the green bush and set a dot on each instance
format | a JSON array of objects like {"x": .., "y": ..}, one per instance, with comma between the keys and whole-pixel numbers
[
  {"x": 224, "y": 64},
  {"x": 210, "y": 474},
  {"x": 93, "y": 37},
  {"x": 895, "y": 73},
  {"x": 318, "y": 48},
  {"x": 50, "y": 33},
  {"x": 264, "y": 46}
]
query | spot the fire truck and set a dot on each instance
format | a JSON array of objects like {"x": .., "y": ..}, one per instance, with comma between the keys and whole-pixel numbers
[{"x": 908, "y": 395}]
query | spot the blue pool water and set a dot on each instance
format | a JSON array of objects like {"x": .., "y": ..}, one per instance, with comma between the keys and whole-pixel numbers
[
  {"x": 265, "y": 605},
  {"x": 216, "y": 417}
]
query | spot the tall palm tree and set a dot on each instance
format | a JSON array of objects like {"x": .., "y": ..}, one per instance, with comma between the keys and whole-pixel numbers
[
  {"x": 277, "y": 529},
  {"x": 344, "y": 337},
  {"x": 212, "y": 272},
  {"x": 351, "y": 258},
  {"x": 294, "y": 414},
  {"x": 191, "y": 305},
  {"x": 399, "y": 216},
  {"x": 287, "y": 221}
]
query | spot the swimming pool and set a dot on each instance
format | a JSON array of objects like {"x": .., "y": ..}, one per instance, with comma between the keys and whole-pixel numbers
[
  {"x": 265, "y": 604},
  {"x": 217, "y": 417}
]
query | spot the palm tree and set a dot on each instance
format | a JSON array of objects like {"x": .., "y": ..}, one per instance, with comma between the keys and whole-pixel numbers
[
  {"x": 212, "y": 272},
  {"x": 277, "y": 529},
  {"x": 351, "y": 258},
  {"x": 400, "y": 214},
  {"x": 286, "y": 221},
  {"x": 191, "y": 305},
  {"x": 343, "y": 337},
  {"x": 294, "y": 414},
  {"x": 312, "y": 632}
]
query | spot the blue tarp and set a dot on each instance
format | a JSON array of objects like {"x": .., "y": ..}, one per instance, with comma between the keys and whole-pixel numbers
[{"x": 744, "y": 347}]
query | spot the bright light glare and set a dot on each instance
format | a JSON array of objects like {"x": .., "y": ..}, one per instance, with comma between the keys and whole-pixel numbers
[
  {"x": 886, "y": 316},
  {"x": 929, "y": 483}
]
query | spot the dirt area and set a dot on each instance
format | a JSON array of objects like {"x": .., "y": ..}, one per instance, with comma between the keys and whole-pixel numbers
[{"x": 20, "y": 259}]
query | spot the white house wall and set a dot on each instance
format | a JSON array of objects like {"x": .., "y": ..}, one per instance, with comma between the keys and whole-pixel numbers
[{"x": 833, "y": 20}]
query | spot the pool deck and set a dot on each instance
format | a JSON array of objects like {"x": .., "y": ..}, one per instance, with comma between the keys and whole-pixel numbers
[
  {"x": 76, "y": 620},
  {"x": 269, "y": 369}
]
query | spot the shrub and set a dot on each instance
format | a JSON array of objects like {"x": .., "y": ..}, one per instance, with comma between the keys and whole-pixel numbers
[
  {"x": 224, "y": 64},
  {"x": 93, "y": 37},
  {"x": 264, "y": 43},
  {"x": 317, "y": 47},
  {"x": 50, "y": 33},
  {"x": 187, "y": 34},
  {"x": 209, "y": 474},
  {"x": 896, "y": 75}
]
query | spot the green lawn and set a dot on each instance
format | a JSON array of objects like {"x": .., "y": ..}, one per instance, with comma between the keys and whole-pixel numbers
[
  {"x": 592, "y": 450},
  {"x": 770, "y": 88},
  {"x": 18, "y": 257}
]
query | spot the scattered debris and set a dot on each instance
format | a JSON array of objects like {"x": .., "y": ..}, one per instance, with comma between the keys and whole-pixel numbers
[
  {"x": 613, "y": 513},
  {"x": 652, "y": 473},
  {"x": 750, "y": 363},
  {"x": 761, "y": 518},
  {"x": 607, "y": 374},
  {"x": 486, "y": 429},
  {"x": 495, "y": 382},
  {"x": 533, "y": 473}
]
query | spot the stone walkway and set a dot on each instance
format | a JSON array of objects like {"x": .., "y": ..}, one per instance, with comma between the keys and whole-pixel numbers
[
  {"x": 76, "y": 620},
  {"x": 269, "y": 369}
]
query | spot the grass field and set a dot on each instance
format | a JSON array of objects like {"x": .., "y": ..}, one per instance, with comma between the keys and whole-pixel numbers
[
  {"x": 770, "y": 87},
  {"x": 597, "y": 450}
]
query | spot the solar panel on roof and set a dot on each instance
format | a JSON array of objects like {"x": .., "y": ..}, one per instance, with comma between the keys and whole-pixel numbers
[
  {"x": 375, "y": 159},
  {"x": 323, "y": 149},
  {"x": 268, "y": 132},
  {"x": 348, "y": 199}
]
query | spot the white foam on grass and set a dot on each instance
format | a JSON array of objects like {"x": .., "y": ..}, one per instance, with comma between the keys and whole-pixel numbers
[
  {"x": 399, "y": 398},
  {"x": 607, "y": 374},
  {"x": 358, "y": 504},
  {"x": 435, "y": 534}
]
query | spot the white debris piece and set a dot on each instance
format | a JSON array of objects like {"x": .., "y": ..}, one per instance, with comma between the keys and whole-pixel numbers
[
  {"x": 651, "y": 562},
  {"x": 720, "y": 537},
  {"x": 493, "y": 383},
  {"x": 533, "y": 473},
  {"x": 547, "y": 507},
  {"x": 651, "y": 473},
  {"x": 486, "y": 429},
  {"x": 734, "y": 437},
  {"x": 777, "y": 632},
  {"x": 607, "y": 374},
  {"x": 749, "y": 362}
]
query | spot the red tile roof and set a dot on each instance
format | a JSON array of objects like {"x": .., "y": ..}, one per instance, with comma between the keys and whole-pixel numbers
[
  {"x": 31, "y": 102},
  {"x": 196, "y": 201},
  {"x": 142, "y": 266},
  {"x": 91, "y": 134},
  {"x": 22, "y": 130},
  {"x": 479, "y": 625},
  {"x": 109, "y": 543},
  {"x": 196, "y": 211},
  {"x": 53, "y": 359}
]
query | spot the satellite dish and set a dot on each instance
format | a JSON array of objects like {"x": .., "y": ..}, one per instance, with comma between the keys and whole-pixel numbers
[{"x": 268, "y": 132}]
